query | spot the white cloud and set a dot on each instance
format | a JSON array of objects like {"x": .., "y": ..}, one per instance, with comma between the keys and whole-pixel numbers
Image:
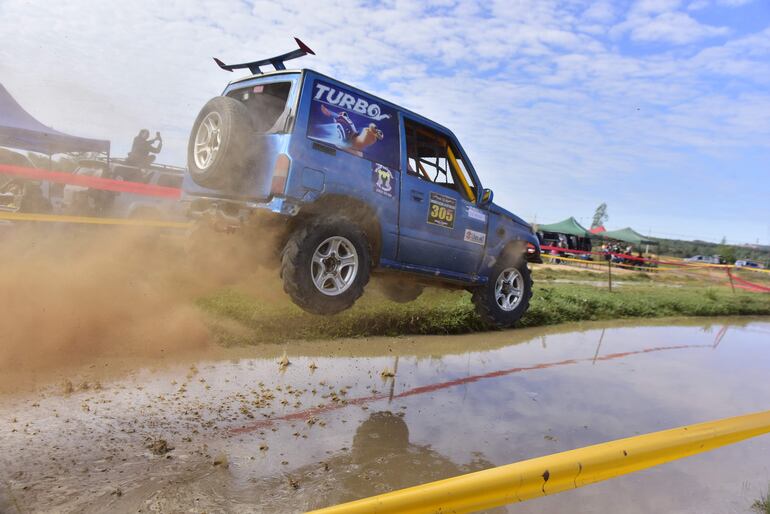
[
  {"x": 734, "y": 3},
  {"x": 697, "y": 5},
  {"x": 600, "y": 12},
  {"x": 675, "y": 28},
  {"x": 654, "y": 6},
  {"x": 656, "y": 24}
]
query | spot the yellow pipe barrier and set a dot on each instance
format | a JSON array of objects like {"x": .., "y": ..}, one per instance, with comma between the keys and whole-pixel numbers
[
  {"x": 754, "y": 269},
  {"x": 559, "y": 472},
  {"x": 131, "y": 222}
]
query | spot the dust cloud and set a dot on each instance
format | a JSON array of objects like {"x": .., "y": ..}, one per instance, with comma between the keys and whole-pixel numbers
[{"x": 70, "y": 295}]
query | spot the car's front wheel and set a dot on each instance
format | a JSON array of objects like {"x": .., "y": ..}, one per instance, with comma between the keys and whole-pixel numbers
[
  {"x": 504, "y": 299},
  {"x": 325, "y": 265}
]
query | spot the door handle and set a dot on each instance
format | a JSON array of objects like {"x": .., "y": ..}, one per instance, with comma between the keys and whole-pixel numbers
[{"x": 418, "y": 195}]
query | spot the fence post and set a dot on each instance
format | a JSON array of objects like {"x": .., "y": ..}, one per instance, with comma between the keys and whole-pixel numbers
[{"x": 609, "y": 273}]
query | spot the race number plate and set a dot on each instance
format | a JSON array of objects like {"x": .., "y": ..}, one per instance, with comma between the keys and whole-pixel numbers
[{"x": 442, "y": 210}]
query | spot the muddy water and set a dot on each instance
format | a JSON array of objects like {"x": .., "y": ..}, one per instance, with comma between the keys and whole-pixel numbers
[{"x": 233, "y": 430}]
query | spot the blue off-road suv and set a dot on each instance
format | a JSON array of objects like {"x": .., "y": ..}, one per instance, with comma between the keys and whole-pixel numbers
[{"x": 355, "y": 185}]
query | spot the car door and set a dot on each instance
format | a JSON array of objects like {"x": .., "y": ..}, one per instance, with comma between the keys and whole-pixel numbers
[{"x": 440, "y": 225}]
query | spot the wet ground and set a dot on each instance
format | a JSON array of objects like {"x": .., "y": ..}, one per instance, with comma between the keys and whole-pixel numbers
[{"x": 287, "y": 428}]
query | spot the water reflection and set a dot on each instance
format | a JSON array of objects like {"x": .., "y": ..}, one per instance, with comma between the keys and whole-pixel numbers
[{"x": 381, "y": 458}]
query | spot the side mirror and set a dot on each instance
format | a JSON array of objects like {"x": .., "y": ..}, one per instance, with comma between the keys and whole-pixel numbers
[{"x": 486, "y": 197}]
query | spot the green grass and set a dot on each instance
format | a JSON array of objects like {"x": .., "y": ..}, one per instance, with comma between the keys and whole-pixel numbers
[
  {"x": 239, "y": 318},
  {"x": 593, "y": 274},
  {"x": 762, "y": 505}
]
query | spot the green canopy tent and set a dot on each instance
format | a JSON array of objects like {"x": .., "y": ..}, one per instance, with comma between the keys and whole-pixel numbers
[
  {"x": 628, "y": 235},
  {"x": 570, "y": 226}
]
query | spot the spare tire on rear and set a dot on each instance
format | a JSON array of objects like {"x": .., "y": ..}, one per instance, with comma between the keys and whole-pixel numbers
[{"x": 220, "y": 150}]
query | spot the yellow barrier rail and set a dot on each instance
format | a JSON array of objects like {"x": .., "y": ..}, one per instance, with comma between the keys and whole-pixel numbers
[
  {"x": 559, "y": 472},
  {"x": 130, "y": 222}
]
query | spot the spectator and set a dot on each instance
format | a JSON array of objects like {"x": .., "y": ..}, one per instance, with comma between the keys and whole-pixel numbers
[{"x": 142, "y": 147}]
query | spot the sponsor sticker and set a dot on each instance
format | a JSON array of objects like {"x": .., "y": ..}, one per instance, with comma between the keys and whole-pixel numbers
[
  {"x": 474, "y": 237},
  {"x": 441, "y": 210},
  {"x": 354, "y": 123},
  {"x": 476, "y": 214},
  {"x": 384, "y": 180}
]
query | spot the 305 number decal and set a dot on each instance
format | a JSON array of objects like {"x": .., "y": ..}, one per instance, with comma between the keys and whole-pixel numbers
[
  {"x": 441, "y": 213},
  {"x": 441, "y": 210}
]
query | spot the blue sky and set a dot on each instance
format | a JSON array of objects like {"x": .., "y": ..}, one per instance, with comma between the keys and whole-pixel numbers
[{"x": 661, "y": 108}]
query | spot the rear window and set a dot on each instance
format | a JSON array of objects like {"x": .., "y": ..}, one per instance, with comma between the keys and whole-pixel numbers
[{"x": 267, "y": 105}]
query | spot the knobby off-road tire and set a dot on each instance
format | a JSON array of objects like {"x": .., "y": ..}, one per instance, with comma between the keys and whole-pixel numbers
[
  {"x": 495, "y": 311},
  {"x": 298, "y": 267},
  {"x": 220, "y": 150}
]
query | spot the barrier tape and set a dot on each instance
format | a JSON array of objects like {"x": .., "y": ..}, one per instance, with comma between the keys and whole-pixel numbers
[
  {"x": 559, "y": 472},
  {"x": 571, "y": 259},
  {"x": 604, "y": 263},
  {"x": 739, "y": 282},
  {"x": 119, "y": 186},
  {"x": 683, "y": 264},
  {"x": 604, "y": 254},
  {"x": 632, "y": 257},
  {"x": 55, "y": 218}
]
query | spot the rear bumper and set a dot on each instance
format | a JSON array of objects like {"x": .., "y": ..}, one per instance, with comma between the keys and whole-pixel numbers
[{"x": 229, "y": 214}]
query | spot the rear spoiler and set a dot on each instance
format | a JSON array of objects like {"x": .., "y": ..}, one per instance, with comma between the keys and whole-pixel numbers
[{"x": 277, "y": 62}]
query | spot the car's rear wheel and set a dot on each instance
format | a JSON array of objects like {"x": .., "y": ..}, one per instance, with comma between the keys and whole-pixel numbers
[
  {"x": 325, "y": 265},
  {"x": 504, "y": 299},
  {"x": 220, "y": 149}
]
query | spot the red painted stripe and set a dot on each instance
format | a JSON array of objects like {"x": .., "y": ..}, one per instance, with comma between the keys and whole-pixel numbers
[
  {"x": 120, "y": 186},
  {"x": 309, "y": 413},
  {"x": 748, "y": 285}
]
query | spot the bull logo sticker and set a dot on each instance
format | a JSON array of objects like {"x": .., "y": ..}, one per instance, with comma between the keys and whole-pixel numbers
[
  {"x": 384, "y": 180},
  {"x": 353, "y": 123}
]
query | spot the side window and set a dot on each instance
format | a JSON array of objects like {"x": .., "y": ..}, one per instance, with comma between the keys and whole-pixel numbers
[{"x": 432, "y": 157}]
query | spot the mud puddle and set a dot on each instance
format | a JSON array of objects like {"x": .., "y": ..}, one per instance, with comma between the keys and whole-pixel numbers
[{"x": 287, "y": 428}]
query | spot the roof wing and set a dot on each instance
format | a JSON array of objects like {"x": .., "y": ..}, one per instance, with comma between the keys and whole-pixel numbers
[{"x": 277, "y": 62}]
